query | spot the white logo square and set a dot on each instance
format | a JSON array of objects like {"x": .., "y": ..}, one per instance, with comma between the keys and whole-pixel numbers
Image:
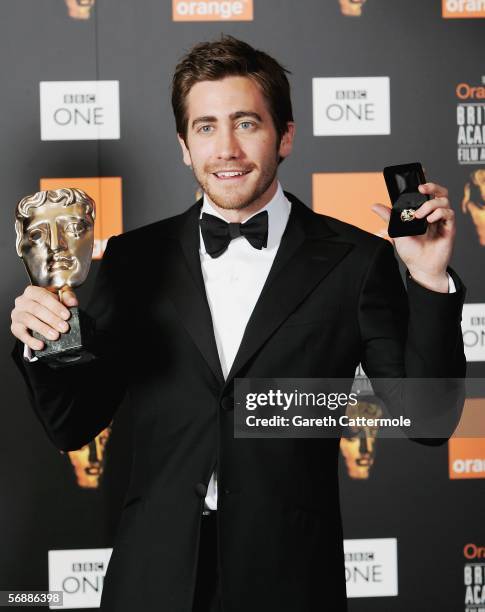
[
  {"x": 351, "y": 106},
  {"x": 79, "y": 110},
  {"x": 371, "y": 567},
  {"x": 473, "y": 329},
  {"x": 79, "y": 574}
]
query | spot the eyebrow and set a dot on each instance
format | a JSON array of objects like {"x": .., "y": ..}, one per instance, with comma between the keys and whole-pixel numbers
[
  {"x": 233, "y": 117},
  {"x": 67, "y": 217}
]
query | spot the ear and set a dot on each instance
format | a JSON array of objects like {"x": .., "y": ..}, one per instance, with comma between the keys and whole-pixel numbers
[
  {"x": 286, "y": 144},
  {"x": 185, "y": 151}
]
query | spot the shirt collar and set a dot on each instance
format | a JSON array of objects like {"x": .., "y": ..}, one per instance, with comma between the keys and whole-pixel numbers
[{"x": 278, "y": 208}]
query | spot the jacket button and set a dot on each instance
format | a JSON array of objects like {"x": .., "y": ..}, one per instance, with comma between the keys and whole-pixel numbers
[
  {"x": 201, "y": 489},
  {"x": 227, "y": 403}
]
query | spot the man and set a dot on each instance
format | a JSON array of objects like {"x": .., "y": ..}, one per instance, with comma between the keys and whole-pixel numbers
[{"x": 219, "y": 295}]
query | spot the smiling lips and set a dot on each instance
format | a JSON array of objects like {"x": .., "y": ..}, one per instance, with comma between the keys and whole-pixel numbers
[{"x": 224, "y": 175}]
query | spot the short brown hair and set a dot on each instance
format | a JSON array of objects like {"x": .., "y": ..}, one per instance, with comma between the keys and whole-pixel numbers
[{"x": 212, "y": 61}]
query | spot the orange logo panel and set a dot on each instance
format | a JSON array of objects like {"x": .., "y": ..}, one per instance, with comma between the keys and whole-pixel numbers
[
  {"x": 456, "y": 9},
  {"x": 106, "y": 192},
  {"x": 212, "y": 10},
  {"x": 466, "y": 455},
  {"x": 348, "y": 196}
]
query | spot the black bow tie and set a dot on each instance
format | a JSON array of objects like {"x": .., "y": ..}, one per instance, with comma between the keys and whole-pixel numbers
[{"x": 217, "y": 233}]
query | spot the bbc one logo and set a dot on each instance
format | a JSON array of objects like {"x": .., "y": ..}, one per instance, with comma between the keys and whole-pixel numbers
[
  {"x": 79, "y": 110},
  {"x": 212, "y": 10},
  {"x": 455, "y": 9},
  {"x": 473, "y": 330},
  {"x": 351, "y": 106},
  {"x": 79, "y": 574},
  {"x": 371, "y": 567}
]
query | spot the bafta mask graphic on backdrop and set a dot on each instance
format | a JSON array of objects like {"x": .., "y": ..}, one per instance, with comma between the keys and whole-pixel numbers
[
  {"x": 352, "y": 8},
  {"x": 473, "y": 202},
  {"x": 55, "y": 237},
  {"x": 358, "y": 444},
  {"x": 88, "y": 462},
  {"x": 79, "y": 9}
]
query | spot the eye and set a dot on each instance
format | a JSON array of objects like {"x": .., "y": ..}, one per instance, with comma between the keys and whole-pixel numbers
[
  {"x": 246, "y": 125},
  {"x": 76, "y": 228},
  {"x": 36, "y": 235},
  {"x": 205, "y": 129}
]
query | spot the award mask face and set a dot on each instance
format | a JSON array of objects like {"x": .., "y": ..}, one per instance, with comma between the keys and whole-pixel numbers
[
  {"x": 474, "y": 202},
  {"x": 79, "y": 9},
  {"x": 358, "y": 445},
  {"x": 88, "y": 461},
  {"x": 55, "y": 237}
]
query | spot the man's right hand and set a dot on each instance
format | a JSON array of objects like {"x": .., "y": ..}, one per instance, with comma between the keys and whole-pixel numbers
[{"x": 40, "y": 310}]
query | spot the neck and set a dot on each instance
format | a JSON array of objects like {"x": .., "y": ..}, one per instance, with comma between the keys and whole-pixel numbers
[{"x": 239, "y": 216}]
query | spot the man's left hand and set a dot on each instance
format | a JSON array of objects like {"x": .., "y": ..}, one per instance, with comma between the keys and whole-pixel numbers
[{"x": 427, "y": 256}]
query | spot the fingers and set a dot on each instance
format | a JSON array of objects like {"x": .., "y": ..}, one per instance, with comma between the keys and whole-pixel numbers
[
  {"x": 45, "y": 315},
  {"x": 384, "y": 212},
  {"x": 431, "y": 205},
  {"x": 441, "y": 214},
  {"x": 68, "y": 297},
  {"x": 434, "y": 190},
  {"x": 45, "y": 298},
  {"x": 21, "y": 333},
  {"x": 39, "y": 310},
  {"x": 32, "y": 323}
]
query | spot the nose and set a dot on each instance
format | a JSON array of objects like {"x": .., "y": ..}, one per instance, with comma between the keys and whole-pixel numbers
[
  {"x": 363, "y": 447},
  {"x": 228, "y": 145},
  {"x": 93, "y": 452},
  {"x": 57, "y": 238}
]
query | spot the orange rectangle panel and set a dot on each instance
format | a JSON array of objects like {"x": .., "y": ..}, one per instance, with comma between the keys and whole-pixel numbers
[
  {"x": 107, "y": 194},
  {"x": 348, "y": 196},
  {"x": 463, "y": 9},
  {"x": 212, "y": 10},
  {"x": 466, "y": 458},
  {"x": 466, "y": 454}
]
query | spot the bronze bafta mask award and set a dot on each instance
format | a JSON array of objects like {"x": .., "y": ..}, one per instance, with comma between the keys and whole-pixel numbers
[{"x": 55, "y": 237}]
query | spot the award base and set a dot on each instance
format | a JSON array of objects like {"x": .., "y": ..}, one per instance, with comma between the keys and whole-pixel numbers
[{"x": 70, "y": 348}]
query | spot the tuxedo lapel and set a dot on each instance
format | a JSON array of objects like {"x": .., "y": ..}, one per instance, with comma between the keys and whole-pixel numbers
[
  {"x": 187, "y": 291},
  {"x": 305, "y": 256}
]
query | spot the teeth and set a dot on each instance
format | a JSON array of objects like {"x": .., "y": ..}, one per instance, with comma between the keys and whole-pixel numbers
[{"x": 230, "y": 173}]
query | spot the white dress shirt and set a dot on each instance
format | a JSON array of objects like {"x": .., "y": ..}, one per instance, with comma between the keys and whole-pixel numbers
[{"x": 233, "y": 282}]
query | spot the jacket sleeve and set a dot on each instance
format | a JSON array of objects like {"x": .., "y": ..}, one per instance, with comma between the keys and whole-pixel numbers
[
  {"x": 414, "y": 334},
  {"x": 76, "y": 402}
]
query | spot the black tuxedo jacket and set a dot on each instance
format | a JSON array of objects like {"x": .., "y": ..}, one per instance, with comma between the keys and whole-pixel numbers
[{"x": 333, "y": 298}]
